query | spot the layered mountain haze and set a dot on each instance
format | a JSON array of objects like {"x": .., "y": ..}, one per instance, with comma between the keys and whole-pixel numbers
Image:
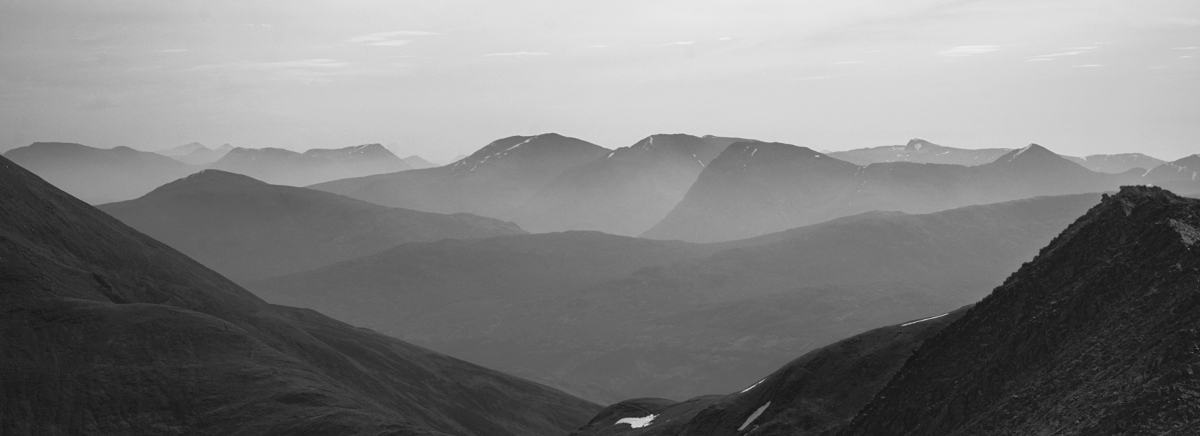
[
  {"x": 493, "y": 181},
  {"x": 609, "y": 317},
  {"x": 920, "y": 151},
  {"x": 753, "y": 188},
  {"x": 1097, "y": 335},
  {"x": 286, "y": 167},
  {"x": 626, "y": 191},
  {"x": 98, "y": 175},
  {"x": 196, "y": 153},
  {"x": 107, "y": 331},
  {"x": 246, "y": 229},
  {"x": 183, "y": 150},
  {"x": 417, "y": 162},
  {"x": 1116, "y": 163}
]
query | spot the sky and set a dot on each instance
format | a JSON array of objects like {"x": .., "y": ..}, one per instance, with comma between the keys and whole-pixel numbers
[{"x": 439, "y": 78}]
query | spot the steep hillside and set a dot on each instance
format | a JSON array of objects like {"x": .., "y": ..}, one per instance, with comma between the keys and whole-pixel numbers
[
  {"x": 626, "y": 191},
  {"x": 246, "y": 229},
  {"x": 610, "y": 318},
  {"x": 813, "y": 394},
  {"x": 107, "y": 331},
  {"x": 1097, "y": 335},
  {"x": 98, "y": 175},
  {"x": 492, "y": 182},
  {"x": 286, "y": 167},
  {"x": 755, "y": 189},
  {"x": 920, "y": 151}
]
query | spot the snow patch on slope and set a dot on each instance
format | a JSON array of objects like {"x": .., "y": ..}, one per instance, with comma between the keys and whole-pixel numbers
[{"x": 637, "y": 422}]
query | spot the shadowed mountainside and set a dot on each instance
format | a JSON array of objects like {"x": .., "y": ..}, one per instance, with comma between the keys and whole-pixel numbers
[
  {"x": 246, "y": 229},
  {"x": 608, "y": 317},
  {"x": 1097, "y": 335},
  {"x": 107, "y": 331},
  {"x": 811, "y": 395}
]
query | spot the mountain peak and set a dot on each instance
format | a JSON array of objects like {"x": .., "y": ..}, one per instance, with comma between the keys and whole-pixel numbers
[
  {"x": 205, "y": 180},
  {"x": 1029, "y": 153},
  {"x": 917, "y": 144},
  {"x": 540, "y": 146}
]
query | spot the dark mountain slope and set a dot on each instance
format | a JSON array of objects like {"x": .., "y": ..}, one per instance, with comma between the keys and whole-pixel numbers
[
  {"x": 626, "y": 191},
  {"x": 1097, "y": 335},
  {"x": 246, "y": 229},
  {"x": 920, "y": 151},
  {"x": 107, "y": 331},
  {"x": 286, "y": 167},
  {"x": 610, "y": 317},
  {"x": 817, "y": 392},
  {"x": 98, "y": 175},
  {"x": 493, "y": 181},
  {"x": 752, "y": 190}
]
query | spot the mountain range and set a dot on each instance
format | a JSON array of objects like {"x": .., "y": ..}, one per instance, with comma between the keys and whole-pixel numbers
[
  {"x": 106, "y": 175},
  {"x": 608, "y": 317},
  {"x": 1096, "y": 335},
  {"x": 196, "y": 153},
  {"x": 246, "y": 229},
  {"x": 491, "y": 182},
  {"x": 758, "y": 188},
  {"x": 286, "y": 167},
  {"x": 626, "y": 191},
  {"x": 920, "y": 151},
  {"x": 107, "y": 331}
]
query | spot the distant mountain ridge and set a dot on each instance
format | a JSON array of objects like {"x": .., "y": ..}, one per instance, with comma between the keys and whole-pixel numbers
[
  {"x": 1116, "y": 163},
  {"x": 626, "y": 191},
  {"x": 286, "y": 167},
  {"x": 247, "y": 229},
  {"x": 920, "y": 151},
  {"x": 122, "y": 173},
  {"x": 491, "y": 182},
  {"x": 753, "y": 189}
]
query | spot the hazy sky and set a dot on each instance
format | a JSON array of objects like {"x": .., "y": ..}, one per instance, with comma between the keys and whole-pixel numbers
[{"x": 443, "y": 77}]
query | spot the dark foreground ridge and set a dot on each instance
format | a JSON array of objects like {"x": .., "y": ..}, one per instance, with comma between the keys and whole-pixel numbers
[
  {"x": 107, "y": 331},
  {"x": 1099, "y": 334}
]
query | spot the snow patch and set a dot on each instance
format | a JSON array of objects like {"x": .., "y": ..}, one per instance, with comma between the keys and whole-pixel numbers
[
  {"x": 752, "y": 386},
  {"x": 753, "y": 151},
  {"x": 925, "y": 319},
  {"x": 637, "y": 422},
  {"x": 610, "y": 154},
  {"x": 754, "y": 416}
]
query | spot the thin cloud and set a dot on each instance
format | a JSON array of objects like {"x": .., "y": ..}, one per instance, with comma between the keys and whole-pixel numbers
[
  {"x": 1186, "y": 57},
  {"x": 384, "y": 36},
  {"x": 827, "y": 76},
  {"x": 174, "y": 50},
  {"x": 517, "y": 54},
  {"x": 1038, "y": 59},
  {"x": 391, "y": 43},
  {"x": 724, "y": 38},
  {"x": 1184, "y": 48},
  {"x": 845, "y": 62},
  {"x": 1088, "y": 66},
  {"x": 969, "y": 50},
  {"x": 681, "y": 43}
]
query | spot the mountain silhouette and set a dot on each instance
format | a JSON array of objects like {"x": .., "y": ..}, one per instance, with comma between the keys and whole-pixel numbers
[
  {"x": 107, "y": 331},
  {"x": 920, "y": 151},
  {"x": 286, "y": 167},
  {"x": 98, "y": 175},
  {"x": 491, "y": 182},
  {"x": 1116, "y": 163},
  {"x": 626, "y": 191},
  {"x": 246, "y": 229},
  {"x": 753, "y": 189}
]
